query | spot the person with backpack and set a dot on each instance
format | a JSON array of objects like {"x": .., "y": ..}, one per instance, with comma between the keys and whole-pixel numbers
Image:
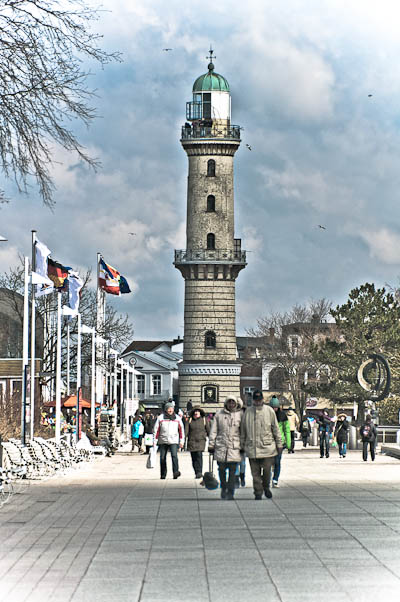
[
  {"x": 368, "y": 434},
  {"x": 305, "y": 430},
  {"x": 341, "y": 434},
  {"x": 260, "y": 438},
  {"x": 197, "y": 429},
  {"x": 294, "y": 425},
  {"x": 224, "y": 443},
  {"x": 284, "y": 428}
]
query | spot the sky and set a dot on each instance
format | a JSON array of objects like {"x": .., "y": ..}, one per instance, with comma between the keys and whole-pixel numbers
[{"x": 324, "y": 152}]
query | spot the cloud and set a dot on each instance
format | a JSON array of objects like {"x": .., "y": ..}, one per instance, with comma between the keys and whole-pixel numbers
[{"x": 383, "y": 245}]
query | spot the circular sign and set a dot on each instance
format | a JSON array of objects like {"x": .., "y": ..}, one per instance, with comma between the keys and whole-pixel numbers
[{"x": 133, "y": 361}]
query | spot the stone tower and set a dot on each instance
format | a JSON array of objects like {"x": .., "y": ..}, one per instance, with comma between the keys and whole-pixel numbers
[{"x": 213, "y": 257}]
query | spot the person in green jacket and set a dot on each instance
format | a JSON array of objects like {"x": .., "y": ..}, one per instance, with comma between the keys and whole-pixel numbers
[{"x": 284, "y": 428}]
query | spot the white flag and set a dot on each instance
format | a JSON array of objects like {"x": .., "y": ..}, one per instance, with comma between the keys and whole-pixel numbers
[
  {"x": 75, "y": 284},
  {"x": 39, "y": 279},
  {"x": 41, "y": 255}
]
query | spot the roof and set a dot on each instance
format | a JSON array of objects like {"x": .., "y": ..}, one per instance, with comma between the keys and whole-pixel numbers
[
  {"x": 146, "y": 345},
  {"x": 165, "y": 359},
  {"x": 211, "y": 81}
]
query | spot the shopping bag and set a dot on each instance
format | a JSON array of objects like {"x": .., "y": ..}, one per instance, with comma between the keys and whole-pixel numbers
[
  {"x": 148, "y": 439},
  {"x": 151, "y": 460},
  {"x": 210, "y": 482}
]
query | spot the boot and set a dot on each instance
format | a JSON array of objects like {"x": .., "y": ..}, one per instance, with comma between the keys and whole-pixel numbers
[
  {"x": 230, "y": 495},
  {"x": 242, "y": 479},
  {"x": 223, "y": 494}
]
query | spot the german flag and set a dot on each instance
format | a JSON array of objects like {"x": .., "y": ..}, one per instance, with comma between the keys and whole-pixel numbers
[{"x": 57, "y": 273}]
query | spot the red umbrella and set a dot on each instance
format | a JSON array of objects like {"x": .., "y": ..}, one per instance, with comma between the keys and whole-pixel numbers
[{"x": 70, "y": 402}]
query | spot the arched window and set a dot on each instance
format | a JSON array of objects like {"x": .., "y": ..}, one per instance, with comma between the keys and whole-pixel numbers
[
  {"x": 210, "y": 340},
  {"x": 211, "y": 167},
  {"x": 211, "y": 202},
  {"x": 210, "y": 241}
]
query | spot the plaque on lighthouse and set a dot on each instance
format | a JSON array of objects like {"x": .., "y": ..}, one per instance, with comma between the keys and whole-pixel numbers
[{"x": 213, "y": 256}]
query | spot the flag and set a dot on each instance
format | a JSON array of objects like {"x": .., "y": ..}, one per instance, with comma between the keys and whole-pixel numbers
[
  {"x": 57, "y": 274},
  {"x": 40, "y": 275},
  {"x": 108, "y": 278},
  {"x": 75, "y": 285},
  {"x": 123, "y": 285}
]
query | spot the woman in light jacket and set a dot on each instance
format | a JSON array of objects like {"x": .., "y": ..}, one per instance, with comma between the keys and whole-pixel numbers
[{"x": 224, "y": 443}]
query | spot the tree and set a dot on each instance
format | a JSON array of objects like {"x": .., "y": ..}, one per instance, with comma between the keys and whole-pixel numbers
[
  {"x": 284, "y": 340},
  {"x": 43, "y": 84},
  {"x": 117, "y": 327},
  {"x": 368, "y": 323}
]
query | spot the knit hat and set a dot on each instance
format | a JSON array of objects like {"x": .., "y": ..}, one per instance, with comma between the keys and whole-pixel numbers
[
  {"x": 169, "y": 404},
  {"x": 257, "y": 394},
  {"x": 274, "y": 402}
]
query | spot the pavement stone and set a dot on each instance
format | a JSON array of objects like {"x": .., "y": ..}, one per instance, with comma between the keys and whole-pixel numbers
[{"x": 113, "y": 530}]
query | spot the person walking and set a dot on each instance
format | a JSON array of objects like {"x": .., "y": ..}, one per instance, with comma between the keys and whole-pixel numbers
[
  {"x": 294, "y": 426},
  {"x": 169, "y": 435},
  {"x": 368, "y": 434},
  {"x": 135, "y": 433},
  {"x": 197, "y": 429},
  {"x": 284, "y": 428},
  {"x": 148, "y": 424},
  {"x": 305, "y": 430},
  {"x": 325, "y": 429},
  {"x": 260, "y": 438},
  {"x": 224, "y": 443},
  {"x": 341, "y": 434}
]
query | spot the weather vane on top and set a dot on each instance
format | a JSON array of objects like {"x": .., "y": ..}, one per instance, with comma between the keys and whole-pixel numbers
[{"x": 211, "y": 57}]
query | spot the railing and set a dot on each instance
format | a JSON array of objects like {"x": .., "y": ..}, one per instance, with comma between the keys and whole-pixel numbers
[
  {"x": 387, "y": 434},
  {"x": 209, "y": 256},
  {"x": 199, "y": 131},
  {"x": 163, "y": 395}
]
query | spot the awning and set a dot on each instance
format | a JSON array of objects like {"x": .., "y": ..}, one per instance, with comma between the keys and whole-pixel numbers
[{"x": 70, "y": 402}]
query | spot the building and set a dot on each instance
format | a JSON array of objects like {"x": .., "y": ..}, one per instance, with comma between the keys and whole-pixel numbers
[
  {"x": 155, "y": 370},
  {"x": 213, "y": 256}
]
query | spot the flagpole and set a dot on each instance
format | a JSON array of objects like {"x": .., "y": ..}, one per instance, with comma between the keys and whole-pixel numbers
[
  {"x": 93, "y": 392},
  {"x": 33, "y": 340},
  {"x": 78, "y": 376},
  {"x": 58, "y": 370},
  {"x": 25, "y": 351},
  {"x": 68, "y": 359},
  {"x": 100, "y": 323}
]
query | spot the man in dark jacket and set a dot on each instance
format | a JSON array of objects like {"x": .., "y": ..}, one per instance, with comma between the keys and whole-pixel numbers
[
  {"x": 368, "y": 434},
  {"x": 305, "y": 430},
  {"x": 197, "y": 429},
  {"x": 325, "y": 429}
]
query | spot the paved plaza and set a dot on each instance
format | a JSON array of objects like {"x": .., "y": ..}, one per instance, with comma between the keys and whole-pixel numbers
[{"x": 114, "y": 531}]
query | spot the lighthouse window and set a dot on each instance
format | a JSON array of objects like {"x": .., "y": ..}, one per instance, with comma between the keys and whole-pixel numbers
[
  {"x": 207, "y": 106},
  {"x": 211, "y": 167},
  {"x": 210, "y": 241},
  {"x": 210, "y": 340},
  {"x": 211, "y": 202}
]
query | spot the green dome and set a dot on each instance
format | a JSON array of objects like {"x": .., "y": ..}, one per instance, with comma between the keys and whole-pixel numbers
[{"x": 210, "y": 81}]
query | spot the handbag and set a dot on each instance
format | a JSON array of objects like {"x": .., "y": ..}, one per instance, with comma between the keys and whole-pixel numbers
[
  {"x": 151, "y": 460},
  {"x": 210, "y": 482},
  {"x": 148, "y": 439}
]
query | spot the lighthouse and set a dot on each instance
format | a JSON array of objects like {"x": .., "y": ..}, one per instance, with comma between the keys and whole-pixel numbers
[{"x": 213, "y": 256}]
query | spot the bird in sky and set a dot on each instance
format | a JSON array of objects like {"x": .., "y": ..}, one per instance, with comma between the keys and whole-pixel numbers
[
  {"x": 322, "y": 227},
  {"x": 369, "y": 95},
  {"x": 248, "y": 146},
  {"x": 167, "y": 49},
  {"x": 132, "y": 233}
]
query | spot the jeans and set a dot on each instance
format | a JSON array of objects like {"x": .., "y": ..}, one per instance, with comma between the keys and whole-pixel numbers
[
  {"x": 173, "y": 448},
  {"x": 342, "y": 448},
  {"x": 230, "y": 483},
  {"x": 305, "y": 440},
  {"x": 277, "y": 467},
  {"x": 197, "y": 461},
  {"x": 324, "y": 442},
  {"x": 291, "y": 449},
  {"x": 241, "y": 467},
  {"x": 135, "y": 443},
  {"x": 261, "y": 473},
  {"x": 371, "y": 449}
]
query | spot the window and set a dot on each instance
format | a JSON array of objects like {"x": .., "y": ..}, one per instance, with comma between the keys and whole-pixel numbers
[
  {"x": 211, "y": 202},
  {"x": 156, "y": 381},
  {"x": 16, "y": 387},
  {"x": 209, "y": 394},
  {"x": 248, "y": 395},
  {"x": 277, "y": 378},
  {"x": 210, "y": 241},
  {"x": 211, "y": 168},
  {"x": 210, "y": 340},
  {"x": 140, "y": 384},
  {"x": 2, "y": 390},
  {"x": 207, "y": 106}
]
